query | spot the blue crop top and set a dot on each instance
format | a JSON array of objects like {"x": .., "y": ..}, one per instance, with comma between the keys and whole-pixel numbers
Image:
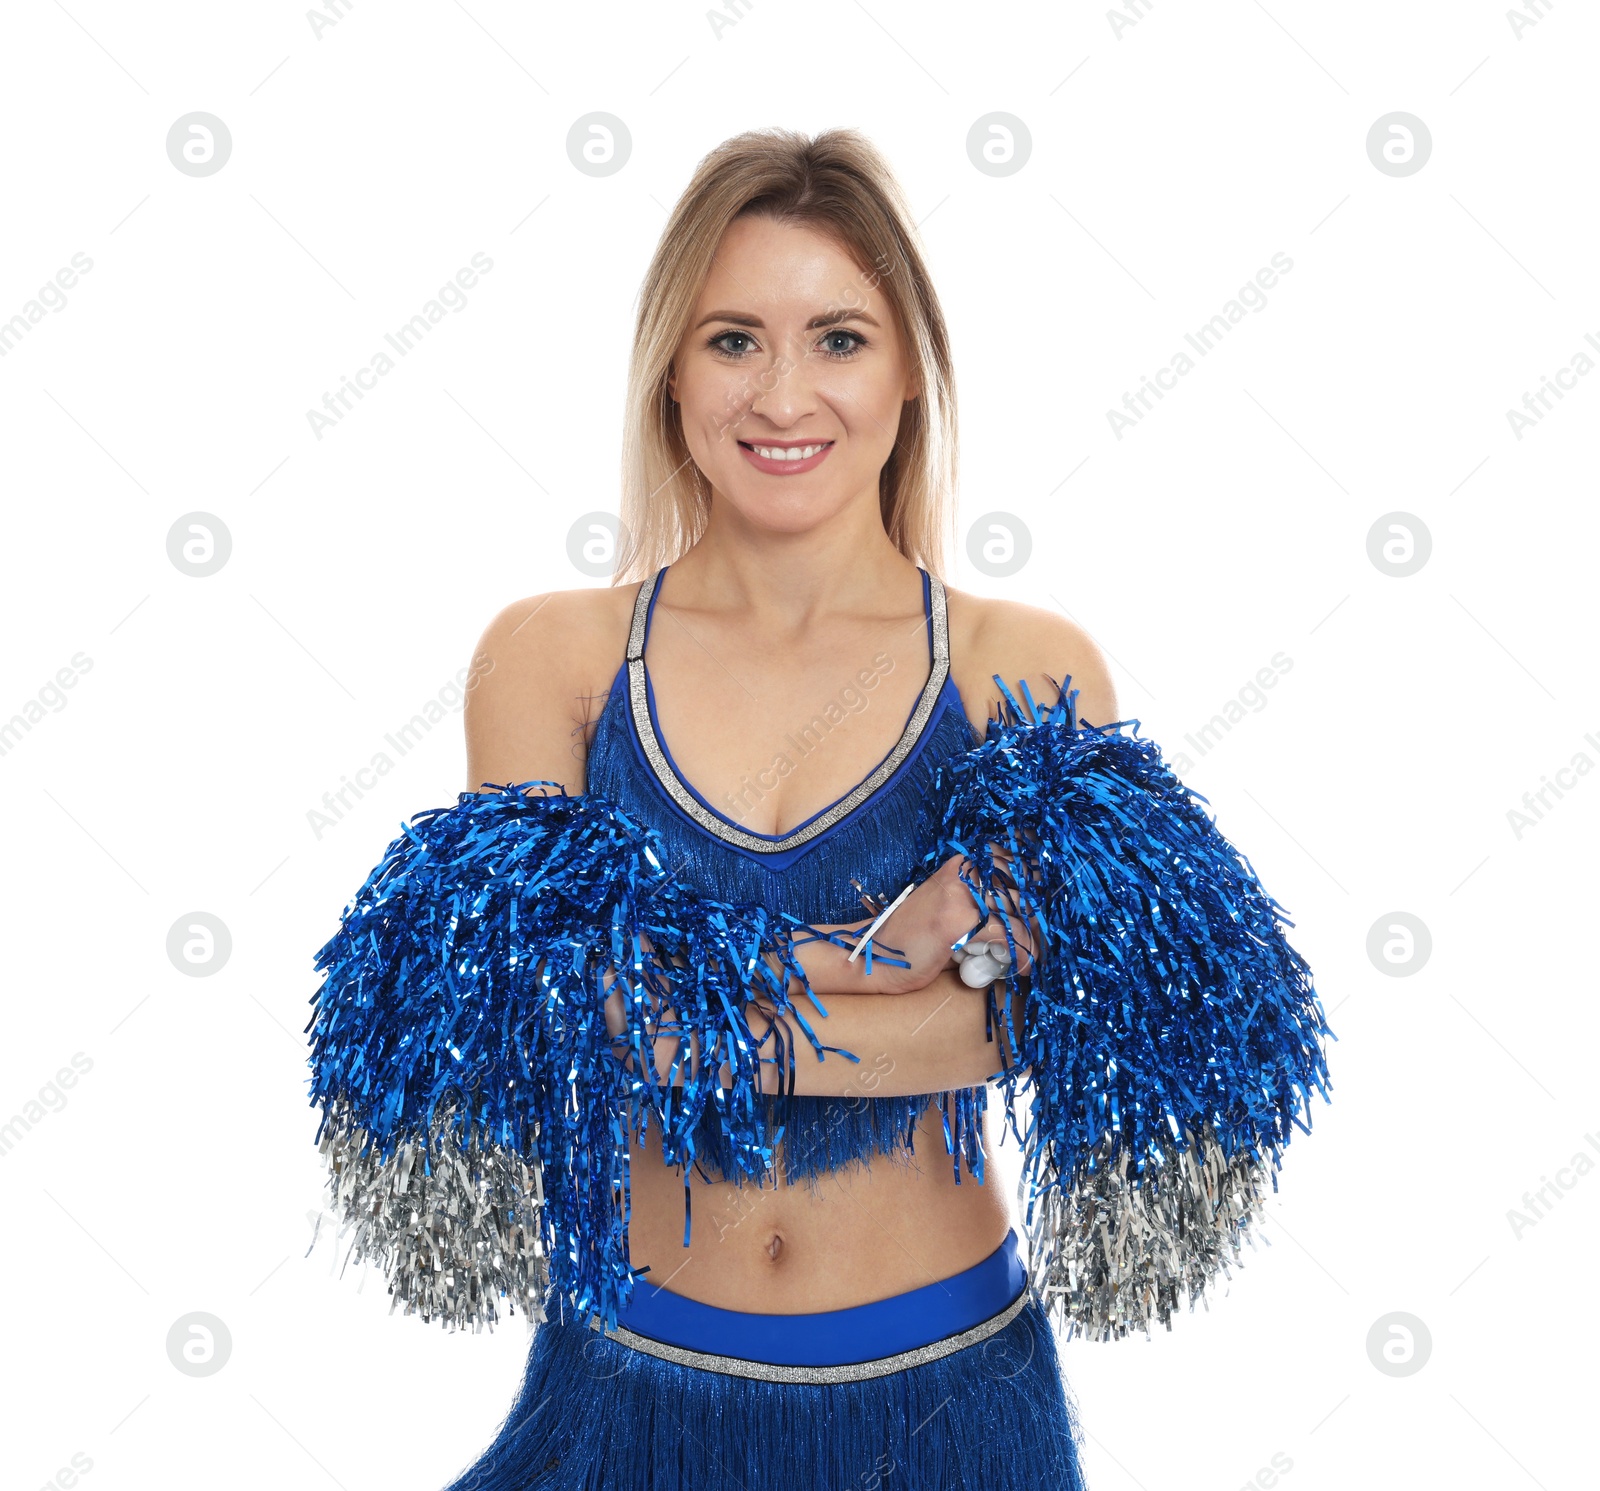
[{"x": 875, "y": 835}]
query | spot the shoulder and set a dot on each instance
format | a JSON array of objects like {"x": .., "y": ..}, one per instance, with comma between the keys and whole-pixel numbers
[
  {"x": 589, "y": 625},
  {"x": 539, "y": 678},
  {"x": 990, "y": 635}
]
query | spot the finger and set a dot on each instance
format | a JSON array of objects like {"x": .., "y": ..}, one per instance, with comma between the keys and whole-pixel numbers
[{"x": 1021, "y": 935}]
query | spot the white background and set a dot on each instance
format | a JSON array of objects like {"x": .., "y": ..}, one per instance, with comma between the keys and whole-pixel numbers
[{"x": 1169, "y": 162}]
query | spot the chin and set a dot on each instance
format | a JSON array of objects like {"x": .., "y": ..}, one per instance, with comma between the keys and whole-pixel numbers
[{"x": 788, "y": 513}]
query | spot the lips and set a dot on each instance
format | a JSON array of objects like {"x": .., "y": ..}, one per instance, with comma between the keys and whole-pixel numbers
[{"x": 785, "y": 465}]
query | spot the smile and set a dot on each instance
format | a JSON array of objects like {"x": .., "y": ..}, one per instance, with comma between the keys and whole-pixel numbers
[{"x": 785, "y": 460}]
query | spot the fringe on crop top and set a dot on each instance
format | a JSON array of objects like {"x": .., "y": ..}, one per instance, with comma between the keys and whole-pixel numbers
[{"x": 871, "y": 840}]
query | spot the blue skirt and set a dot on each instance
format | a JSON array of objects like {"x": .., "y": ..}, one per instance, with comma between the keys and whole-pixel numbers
[{"x": 955, "y": 1384}]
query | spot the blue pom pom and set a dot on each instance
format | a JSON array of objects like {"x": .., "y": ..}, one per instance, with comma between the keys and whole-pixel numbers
[
  {"x": 460, "y": 1045},
  {"x": 1171, "y": 1037}
]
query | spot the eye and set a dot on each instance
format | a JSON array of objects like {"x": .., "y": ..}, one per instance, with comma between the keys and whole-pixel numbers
[
  {"x": 716, "y": 343},
  {"x": 849, "y": 349}
]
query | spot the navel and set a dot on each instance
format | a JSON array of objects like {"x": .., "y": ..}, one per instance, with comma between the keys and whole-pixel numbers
[{"x": 774, "y": 1246}]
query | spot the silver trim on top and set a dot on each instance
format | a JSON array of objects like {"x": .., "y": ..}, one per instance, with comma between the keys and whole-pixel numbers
[
  {"x": 738, "y": 1366},
  {"x": 679, "y": 791}
]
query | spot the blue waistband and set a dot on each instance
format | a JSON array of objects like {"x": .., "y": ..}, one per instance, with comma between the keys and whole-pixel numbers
[{"x": 826, "y": 1338}]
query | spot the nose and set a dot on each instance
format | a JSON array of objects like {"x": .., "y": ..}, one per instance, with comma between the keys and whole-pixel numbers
[{"x": 783, "y": 393}]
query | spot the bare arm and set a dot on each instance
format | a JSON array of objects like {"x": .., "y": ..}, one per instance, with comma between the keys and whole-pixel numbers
[
  {"x": 1023, "y": 642},
  {"x": 933, "y": 1039},
  {"x": 535, "y": 676},
  {"x": 538, "y": 675}
]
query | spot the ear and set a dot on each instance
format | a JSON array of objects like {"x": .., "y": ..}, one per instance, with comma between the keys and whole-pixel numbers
[
  {"x": 672, "y": 385},
  {"x": 913, "y": 385}
]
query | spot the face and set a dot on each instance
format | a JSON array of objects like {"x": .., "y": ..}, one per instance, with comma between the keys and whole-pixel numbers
[{"x": 791, "y": 347}]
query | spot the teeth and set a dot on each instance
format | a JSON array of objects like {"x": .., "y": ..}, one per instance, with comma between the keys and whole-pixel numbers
[{"x": 793, "y": 453}]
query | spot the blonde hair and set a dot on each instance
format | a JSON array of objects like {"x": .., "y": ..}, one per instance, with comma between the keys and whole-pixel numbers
[{"x": 838, "y": 184}]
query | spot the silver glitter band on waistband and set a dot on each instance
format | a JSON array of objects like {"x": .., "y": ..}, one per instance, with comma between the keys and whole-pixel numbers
[{"x": 738, "y": 1366}]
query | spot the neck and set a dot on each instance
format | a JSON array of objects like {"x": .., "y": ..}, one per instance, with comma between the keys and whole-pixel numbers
[{"x": 786, "y": 581}]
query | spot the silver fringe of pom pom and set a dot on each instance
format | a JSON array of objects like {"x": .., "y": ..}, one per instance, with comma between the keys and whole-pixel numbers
[
  {"x": 455, "y": 1238},
  {"x": 1115, "y": 1250}
]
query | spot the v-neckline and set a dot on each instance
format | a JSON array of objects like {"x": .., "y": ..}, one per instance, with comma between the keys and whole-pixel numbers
[{"x": 641, "y": 698}]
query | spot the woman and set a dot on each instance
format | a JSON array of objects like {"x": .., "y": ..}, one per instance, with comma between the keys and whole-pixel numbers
[
  {"x": 561, "y": 1045},
  {"x": 788, "y": 310}
]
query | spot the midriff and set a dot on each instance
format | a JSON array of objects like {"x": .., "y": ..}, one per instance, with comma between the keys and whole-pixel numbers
[{"x": 851, "y": 1236}]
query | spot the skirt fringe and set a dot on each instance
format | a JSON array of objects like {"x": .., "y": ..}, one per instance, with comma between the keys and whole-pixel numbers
[{"x": 594, "y": 1414}]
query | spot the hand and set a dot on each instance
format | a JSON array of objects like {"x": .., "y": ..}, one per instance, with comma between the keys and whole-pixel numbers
[
  {"x": 919, "y": 931},
  {"x": 986, "y": 956}
]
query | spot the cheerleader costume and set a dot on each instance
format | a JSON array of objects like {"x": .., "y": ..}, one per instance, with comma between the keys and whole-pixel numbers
[{"x": 474, "y": 1109}]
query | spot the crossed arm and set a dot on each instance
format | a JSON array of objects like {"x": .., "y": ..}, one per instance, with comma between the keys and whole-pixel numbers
[
  {"x": 917, "y": 1029},
  {"x": 539, "y": 659},
  {"x": 938, "y": 1038}
]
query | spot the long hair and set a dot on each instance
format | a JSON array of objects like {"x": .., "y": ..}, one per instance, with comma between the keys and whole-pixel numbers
[{"x": 838, "y": 184}]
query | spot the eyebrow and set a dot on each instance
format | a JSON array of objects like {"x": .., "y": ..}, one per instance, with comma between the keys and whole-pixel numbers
[{"x": 740, "y": 318}]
